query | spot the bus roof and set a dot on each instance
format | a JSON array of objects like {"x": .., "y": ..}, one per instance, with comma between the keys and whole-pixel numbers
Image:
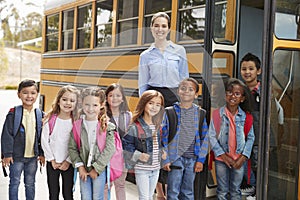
[{"x": 50, "y": 4}]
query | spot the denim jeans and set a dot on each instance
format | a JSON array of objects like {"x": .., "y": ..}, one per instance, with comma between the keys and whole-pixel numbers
[
  {"x": 29, "y": 166},
  {"x": 229, "y": 181},
  {"x": 93, "y": 189},
  {"x": 146, "y": 181},
  {"x": 181, "y": 181}
]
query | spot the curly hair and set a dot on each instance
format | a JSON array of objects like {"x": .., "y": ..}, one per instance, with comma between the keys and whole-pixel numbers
[{"x": 96, "y": 92}]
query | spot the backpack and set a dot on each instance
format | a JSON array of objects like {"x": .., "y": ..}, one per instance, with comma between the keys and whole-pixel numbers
[
  {"x": 18, "y": 114},
  {"x": 116, "y": 163},
  {"x": 172, "y": 117},
  {"x": 217, "y": 123},
  {"x": 51, "y": 123}
]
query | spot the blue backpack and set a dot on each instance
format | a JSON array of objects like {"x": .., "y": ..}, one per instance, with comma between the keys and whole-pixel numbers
[{"x": 18, "y": 114}]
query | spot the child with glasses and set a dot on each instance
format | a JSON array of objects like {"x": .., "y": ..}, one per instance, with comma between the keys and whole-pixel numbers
[{"x": 231, "y": 146}]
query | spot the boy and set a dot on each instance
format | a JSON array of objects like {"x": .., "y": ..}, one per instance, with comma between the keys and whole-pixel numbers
[
  {"x": 20, "y": 141},
  {"x": 250, "y": 67},
  {"x": 186, "y": 151}
]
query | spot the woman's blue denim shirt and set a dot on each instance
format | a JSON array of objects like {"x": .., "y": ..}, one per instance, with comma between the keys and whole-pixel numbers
[
  {"x": 133, "y": 146},
  {"x": 219, "y": 143}
]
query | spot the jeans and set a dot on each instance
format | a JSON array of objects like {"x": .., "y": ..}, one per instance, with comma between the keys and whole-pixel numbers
[
  {"x": 229, "y": 181},
  {"x": 253, "y": 165},
  {"x": 93, "y": 189},
  {"x": 53, "y": 182},
  {"x": 29, "y": 166},
  {"x": 181, "y": 181},
  {"x": 146, "y": 182}
]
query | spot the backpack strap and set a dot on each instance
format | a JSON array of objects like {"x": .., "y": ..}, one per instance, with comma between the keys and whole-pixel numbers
[
  {"x": 172, "y": 117},
  {"x": 18, "y": 114},
  {"x": 201, "y": 116},
  {"x": 51, "y": 123},
  {"x": 76, "y": 131},
  {"x": 141, "y": 132},
  {"x": 39, "y": 122}
]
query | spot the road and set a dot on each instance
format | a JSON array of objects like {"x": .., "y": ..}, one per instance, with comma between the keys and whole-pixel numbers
[{"x": 9, "y": 99}]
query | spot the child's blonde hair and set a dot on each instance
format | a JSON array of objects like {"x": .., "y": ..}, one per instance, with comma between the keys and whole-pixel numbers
[
  {"x": 96, "y": 92},
  {"x": 55, "y": 105},
  {"x": 140, "y": 108}
]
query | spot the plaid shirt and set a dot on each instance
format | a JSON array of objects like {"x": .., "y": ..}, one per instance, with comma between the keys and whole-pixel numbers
[{"x": 171, "y": 148}]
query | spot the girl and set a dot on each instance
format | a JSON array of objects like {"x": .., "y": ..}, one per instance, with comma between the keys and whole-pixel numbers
[
  {"x": 91, "y": 144},
  {"x": 55, "y": 138},
  {"x": 142, "y": 142},
  {"x": 229, "y": 142},
  {"x": 119, "y": 114}
]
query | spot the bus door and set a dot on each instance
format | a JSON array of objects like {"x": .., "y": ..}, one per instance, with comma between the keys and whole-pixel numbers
[
  {"x": 283, "y": 141},
  {"x": 220, "y": 60}
]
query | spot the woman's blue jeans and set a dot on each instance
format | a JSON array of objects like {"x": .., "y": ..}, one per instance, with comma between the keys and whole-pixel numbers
[
  {"x": 229, "y": 181},
  {"x": 29, "y": 166}
]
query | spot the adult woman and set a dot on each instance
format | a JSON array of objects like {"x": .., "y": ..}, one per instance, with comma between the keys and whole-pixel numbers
[{"x": 163, "y": 65}]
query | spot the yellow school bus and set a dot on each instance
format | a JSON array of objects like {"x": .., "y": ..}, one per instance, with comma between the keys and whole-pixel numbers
[{"x": 90, "y": 42}]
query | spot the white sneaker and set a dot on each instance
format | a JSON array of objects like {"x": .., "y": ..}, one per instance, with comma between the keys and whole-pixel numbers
[
  {"x": 251, "y": 197},
  {"x": 248, "y": 191}
]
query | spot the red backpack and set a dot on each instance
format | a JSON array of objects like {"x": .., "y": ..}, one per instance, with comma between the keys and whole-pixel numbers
[
  {"x": 116, "y": 162},
  {"x": 217, "y": 123}
]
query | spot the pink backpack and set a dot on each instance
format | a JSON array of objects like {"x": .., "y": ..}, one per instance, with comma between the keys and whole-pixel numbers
[{"x": 116, "y": 162}]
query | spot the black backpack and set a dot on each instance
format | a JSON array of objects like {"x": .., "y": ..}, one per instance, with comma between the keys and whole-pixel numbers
[{"x": 171, "y": 113}]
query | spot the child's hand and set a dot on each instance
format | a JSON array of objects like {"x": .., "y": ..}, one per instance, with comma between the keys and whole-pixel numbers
[
  {"x": 7, "y": 161},
  {"x": 55, "y": 165},
  {"x": 198, "y": 167},
  {"x": 167, "y": 167},
  {"x": 64, "y": 166},
  {"x": 227, "y": 160},
  {"x": 42, "y": 160},
  {"x": 93, "y": 174},
  {"x": 239, "y": 162},
  {"x": 82, "y": 173},
  {"x": 144, "y": 157}
]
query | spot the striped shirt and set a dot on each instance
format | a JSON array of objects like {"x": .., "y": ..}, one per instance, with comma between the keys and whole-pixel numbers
[{"x": 155, "y": 155}]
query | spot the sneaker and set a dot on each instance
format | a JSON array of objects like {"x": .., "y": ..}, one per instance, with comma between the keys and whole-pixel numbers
[
  {"x": 251, "y": 197},
  {"x": 247, "y": 191}
]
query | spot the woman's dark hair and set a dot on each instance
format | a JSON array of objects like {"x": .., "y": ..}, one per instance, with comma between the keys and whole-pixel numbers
[{"x": 246, "y": 104}]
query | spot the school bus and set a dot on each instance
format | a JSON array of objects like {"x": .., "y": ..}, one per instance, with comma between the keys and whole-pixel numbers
[{"x": 90, "y": 42}]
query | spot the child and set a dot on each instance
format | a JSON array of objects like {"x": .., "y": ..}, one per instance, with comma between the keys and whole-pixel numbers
[
  {"x": 120, "y": 116},
  {"x": 250, "y": 70},
  {"x": 142, "y": 142},
  {"x": 92, "y": 145},
  {"x": 55, "y": 139},
  {"x": 230, "y": 145},
  {"x": 187, "y": 149},
  {"x": 20, "y": 141}
]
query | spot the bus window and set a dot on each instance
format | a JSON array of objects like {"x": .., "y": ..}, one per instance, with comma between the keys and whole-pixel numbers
[
  {"x": 152, "y": 7},
  {"x": 104, "y": 19},
  {"x": 52, "y": 32},
  {"x": 287, "y": 19},
  {"x": 225, "y": 21},
  {"x": 127, "y": 22},
  {"x": 284, "y": 126},
  {"x": 191, "y": 20},
  {"x": 84, "y": 26},
  {"x": 67, "y": 30}
]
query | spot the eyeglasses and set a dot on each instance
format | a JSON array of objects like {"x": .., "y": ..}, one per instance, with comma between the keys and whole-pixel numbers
[{"x": 236, "y": 94}]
